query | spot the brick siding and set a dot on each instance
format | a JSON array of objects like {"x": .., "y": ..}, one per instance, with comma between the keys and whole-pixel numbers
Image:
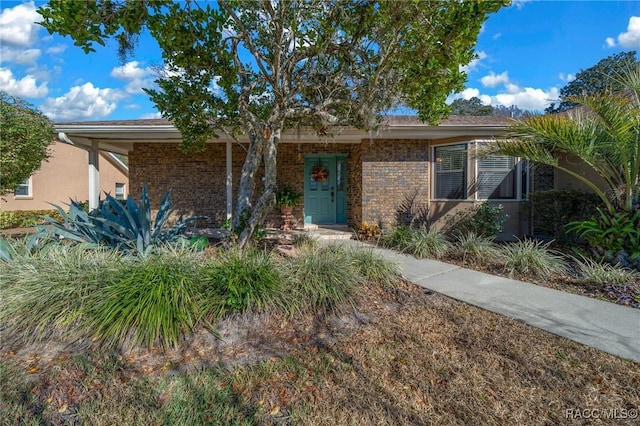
[{"x": 393, "y": 173}]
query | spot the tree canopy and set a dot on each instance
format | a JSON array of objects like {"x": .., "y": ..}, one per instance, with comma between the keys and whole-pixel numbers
[
  {"x": 603, "y": 75},
  {"x": 25, "y": 134},
  {"x": 253, "y": 68},
  {"x": 473, "y": 106}
]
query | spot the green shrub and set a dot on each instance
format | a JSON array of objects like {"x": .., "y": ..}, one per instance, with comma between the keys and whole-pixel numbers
[
  {"x": 428, "y": 244},
  {"x": 199, "y": 242},
  {"x": 151, "y": 300},
  {"x": 610, "y": 234},
  {"x": 552, "y": 210},
  {"x": 373, "y": 267},
  {"x": 530, "y": 257},
  {"x": 486, "y": 220},
  {"x": 600, "y": 273},
  {"x": 321, "y": 278},
  {"x": 475, "y": 248},
  {"x": 240, "y": 280},
  {"x": 25, "y": 218},
  {"x": 126, "y": 227}
]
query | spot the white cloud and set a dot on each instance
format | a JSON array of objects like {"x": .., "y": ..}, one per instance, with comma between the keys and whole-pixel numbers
[
  {"x": 496, "y": 36},
  {"x": 19, "y": 56},
  {"x": 151, "y": 115},
  {"x": 519, "y": 4},
  {"x": 82, "y": 103},
  {"x": 527, "y": 98},
  {"x": 26, "y": 87},
  {"x": 473, "y": 65},
  {"x": 493, "y": 79},
  {"x": 54, "y": 50},
  {"x": 567, "y": 78},
  {"x": 469, "y": 93},
  {"x": 18, "y": 25},
  {"x": 629, "y": 39},
  {"x": 128, "y": 71},
  {"x": 136, "y": 76}
]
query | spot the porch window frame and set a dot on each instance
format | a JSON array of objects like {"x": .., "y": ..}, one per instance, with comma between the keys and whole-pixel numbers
[
  {"x": 467, "y": 165},
  {"x": 522, "y": 175},
  {"x": 517, "y": 171}
]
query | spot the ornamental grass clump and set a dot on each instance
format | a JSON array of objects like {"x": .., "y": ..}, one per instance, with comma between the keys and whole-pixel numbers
[
  {"x": 601, "y": 273},
  {"x": 373, "y": 267},
  {"x": 534, "y": 258},
  {"x": 472, "y": 247},
  {"x": 320, "y": 279},
  {"x": 428, "y": 244},
  {"x": 398, "y": 238},
  {"x": 152, "y": 300},
  {"x": 241, "y": 280},
  {"x": 48, "y": 291},
  {"x": 304, "y": 240}
]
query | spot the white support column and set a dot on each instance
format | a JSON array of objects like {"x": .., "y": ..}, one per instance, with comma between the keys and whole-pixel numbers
[
  {"x": 229, "y": 181},
  {"x": 94, "y": 175}
]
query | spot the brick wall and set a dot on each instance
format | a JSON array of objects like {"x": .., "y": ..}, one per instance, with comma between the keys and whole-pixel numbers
[
  {"x": 394, "y": 172},
  {"x": 198, "y": 181}
]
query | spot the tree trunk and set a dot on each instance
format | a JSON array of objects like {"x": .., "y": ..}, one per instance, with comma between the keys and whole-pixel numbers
[{"x": 267, "y": 152}]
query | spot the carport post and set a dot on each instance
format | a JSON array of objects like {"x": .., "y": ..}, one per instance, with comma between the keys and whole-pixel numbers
[
  {"x": 229, "y": 181},
  {"x": 94, "y": 175}
]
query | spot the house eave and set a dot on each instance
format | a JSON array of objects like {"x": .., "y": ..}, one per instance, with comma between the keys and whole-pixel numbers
[{"x": 120, "y": 138}]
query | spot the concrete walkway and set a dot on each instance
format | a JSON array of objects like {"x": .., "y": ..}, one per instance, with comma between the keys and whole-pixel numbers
[{"x": 603, "y": 325}]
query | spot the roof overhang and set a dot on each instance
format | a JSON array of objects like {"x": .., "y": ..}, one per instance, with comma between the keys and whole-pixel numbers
[{"x": 119, "y": 138}]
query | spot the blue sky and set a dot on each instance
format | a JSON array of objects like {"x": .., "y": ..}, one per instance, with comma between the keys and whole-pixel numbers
[{"x": 526, "y": 54}]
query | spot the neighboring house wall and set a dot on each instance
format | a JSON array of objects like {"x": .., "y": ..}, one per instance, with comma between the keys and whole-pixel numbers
[{"x": 63, "y": 177}]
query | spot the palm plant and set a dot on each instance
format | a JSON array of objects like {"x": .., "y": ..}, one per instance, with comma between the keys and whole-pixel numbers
[{"x": 603, "y": 132}]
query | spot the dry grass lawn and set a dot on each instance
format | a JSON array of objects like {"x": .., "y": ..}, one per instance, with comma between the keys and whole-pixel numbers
[{"x": 400, "y": 356}]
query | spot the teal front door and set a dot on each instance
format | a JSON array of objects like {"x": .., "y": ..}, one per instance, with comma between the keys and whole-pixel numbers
[{"x": 325, "y": 197}]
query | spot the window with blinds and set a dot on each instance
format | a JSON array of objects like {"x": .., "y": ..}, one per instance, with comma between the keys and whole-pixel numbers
[
  {"x": 450, "y": 172},
  {"x": 23, "y": 189},
  {"x": 497, "y": 178}
]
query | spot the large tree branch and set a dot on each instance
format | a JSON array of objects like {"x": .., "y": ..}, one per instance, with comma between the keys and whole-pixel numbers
[{"x": 246, "y": 37}]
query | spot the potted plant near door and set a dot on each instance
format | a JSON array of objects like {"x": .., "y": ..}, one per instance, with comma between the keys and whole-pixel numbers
[{"x": 287, "y": 198}]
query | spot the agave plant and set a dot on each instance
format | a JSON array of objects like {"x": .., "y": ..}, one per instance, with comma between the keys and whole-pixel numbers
[{"x": 126, "y": 227}]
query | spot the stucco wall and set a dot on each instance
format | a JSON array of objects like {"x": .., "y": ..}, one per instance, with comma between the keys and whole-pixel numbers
[
  {"x": 63, "y": 177},
  {"x": 564, "y": 180}
]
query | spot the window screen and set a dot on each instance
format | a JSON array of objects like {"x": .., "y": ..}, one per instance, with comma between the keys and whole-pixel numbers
[
  {"x": 451, "y": 172},
  {"x": 497, "y": 177}
]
